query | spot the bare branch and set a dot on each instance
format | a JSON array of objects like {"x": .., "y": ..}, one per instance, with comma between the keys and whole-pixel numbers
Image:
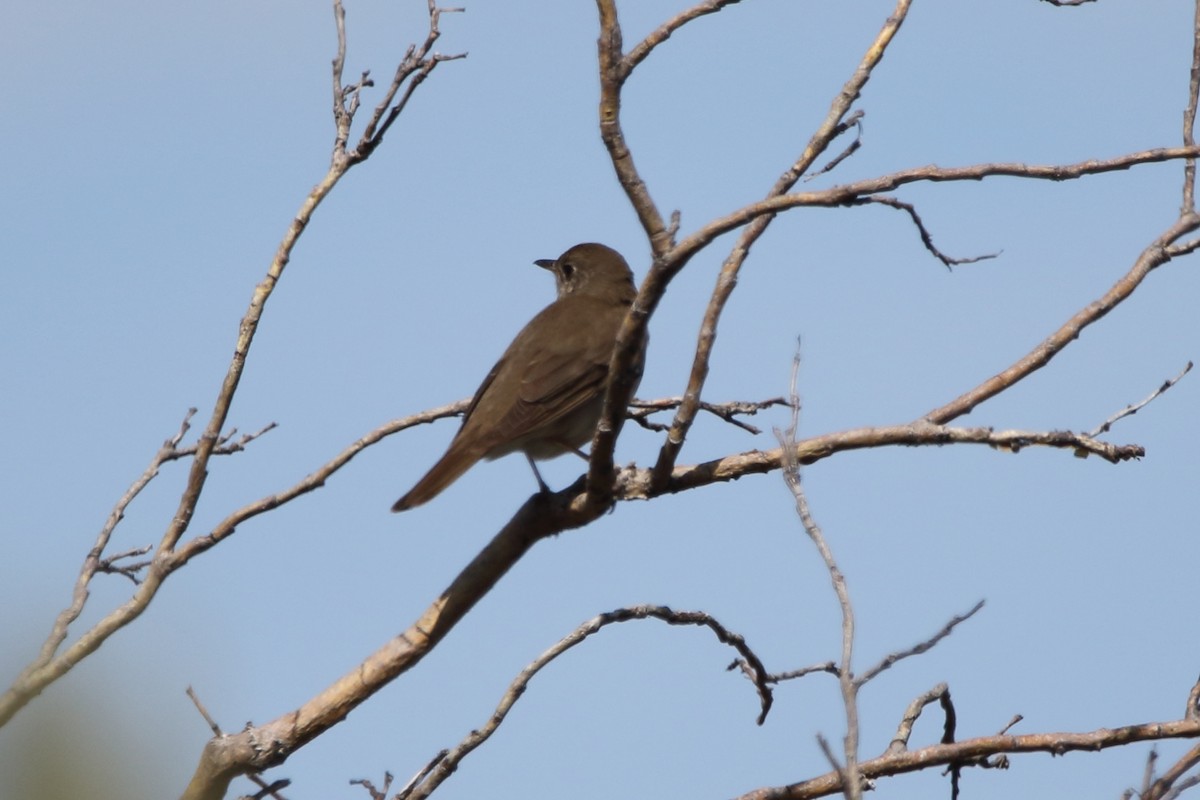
[
  {"x": 825, "y": 666},
  {"x": 311, "y": 482},
  {"x": 851, "y": 779},
  {"x": 831, "y": 127},
  {"x": 418, "y": 62},
  {"x": 974, "y": 751},
  {"x": 1188, "y": 206},
  {"x": 633, "y": 483},
  {"x": 448, "y": 760},
  {"x": 727, "y": 411},
  {"x": 1154, "y": 256},
  {"x": 109, "y": 565},
  {"x": 926, "y": 237},
  {"x": 1130, "y": 410},
  {"x": 376, "y": 794},
  {"x": 922, "y": 647},
  {"x": 852, "y": 121},
  {"x": 853, "y": 193},
  {"x": 48, "y": 666},
  {"x": 1016, "y": 718},
  {"x": 663, "y": 32},
  {"x": 1170, "y": 785},
  {"x": 939, "y": 693},
  {"x": 264, "y": 788},
  {"x": 212, "y": 723}
]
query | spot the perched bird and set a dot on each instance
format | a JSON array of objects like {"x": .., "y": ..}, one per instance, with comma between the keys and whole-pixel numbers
[{"x": 545, "y": 394}]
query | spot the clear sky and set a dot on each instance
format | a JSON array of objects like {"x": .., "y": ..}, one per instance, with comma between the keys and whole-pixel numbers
[{"x": 154, "y": 155}]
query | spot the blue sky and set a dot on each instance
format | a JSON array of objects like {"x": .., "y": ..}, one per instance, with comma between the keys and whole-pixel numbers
[{"x": 155, "y": 155}]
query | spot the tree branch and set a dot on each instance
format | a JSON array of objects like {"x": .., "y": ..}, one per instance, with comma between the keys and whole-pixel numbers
[
  {"x": 831, "y": 127},
  {"x": 974, "y": 750},
  {"x": 1154, "y": 256},
  {"x": 48, "y": 667},
  {"x": 448, "y": 760}
]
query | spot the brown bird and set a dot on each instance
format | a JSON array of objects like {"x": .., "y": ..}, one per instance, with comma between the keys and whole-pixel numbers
[{"x": 545, "y": 394}]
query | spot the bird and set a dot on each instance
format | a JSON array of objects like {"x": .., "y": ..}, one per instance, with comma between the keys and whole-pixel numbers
[{"x": 545, "y": 395}]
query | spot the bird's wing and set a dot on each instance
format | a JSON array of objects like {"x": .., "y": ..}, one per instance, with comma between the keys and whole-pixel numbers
[{"x": 558, "y": 373}]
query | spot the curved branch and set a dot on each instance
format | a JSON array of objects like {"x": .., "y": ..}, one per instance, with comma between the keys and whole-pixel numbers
[
  {"x": 312, "y": 481},
  {"x": 663, "y": 32},
  {"x": 852, "y": 193},
  {"x": 447, "y": 761}
]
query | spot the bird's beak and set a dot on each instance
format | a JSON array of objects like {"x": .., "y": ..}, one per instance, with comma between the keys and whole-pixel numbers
[{"x": 545, "y": 263}]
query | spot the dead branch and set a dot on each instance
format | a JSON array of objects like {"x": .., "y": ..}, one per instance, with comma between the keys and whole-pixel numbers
[
  {"x": 448, "y": 761},
  {"x": 1155, "y": 255},
  {"x": 853, "y": 193},
  {"x": 729, "y": 412},
  {"x": 852, "y": 784},
  {"x": 926, "y": 236},
  {"x": 975, "y": 751},
  {"x": 939, "y": 693},
  {"x": 834, "y": 124},
  {"x": 1130, "y": 410},
  {"x": 50, "y": 664},
  {"x": 922, "y": 647}
]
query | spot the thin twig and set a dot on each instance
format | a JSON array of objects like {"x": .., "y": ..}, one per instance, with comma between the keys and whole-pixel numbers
[
  {"x": 212, "y": 723},
  {"x": 376, "y": 794},
  {"x": 926, "y": 237},
  {"x": 912, "y": 713},
  {"x": 892, "y": 658},
  {"x": 663, "y": 32},
  {"x": 729, "y": 412},
  {"x": 852, "y": 121},
  {"x": 851, "y": 778},
  {"x": 109, "y": 564},
  {"x": 1130, "y": 410},
  {"x": 1016, "y": 719}
]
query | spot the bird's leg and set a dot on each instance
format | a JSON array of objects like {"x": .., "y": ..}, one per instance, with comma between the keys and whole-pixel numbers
[
  {"x": 541, "y": 483},
  {"x": 567, "y": 448}
]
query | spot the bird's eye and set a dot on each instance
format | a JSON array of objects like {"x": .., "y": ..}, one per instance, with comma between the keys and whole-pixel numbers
[{"x": 568, "y": 269}]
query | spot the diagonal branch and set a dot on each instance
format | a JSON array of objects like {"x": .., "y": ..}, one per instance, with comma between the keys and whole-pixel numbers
[
  {"x": 663, "y": 32},
  {"x": 45, "y": 669},
  {"x": 1154, "y": 256},
  {"x": 1133, "y": 408},
  {"x": 260, "y": 747},
  {"x": 921, "y": 647},
  {"x": 311, "y": 482},
  {"x": 831, "y": 127}
]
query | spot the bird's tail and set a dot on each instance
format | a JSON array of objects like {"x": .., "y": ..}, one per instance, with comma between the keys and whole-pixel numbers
[{"x": 446, "y": 471}]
